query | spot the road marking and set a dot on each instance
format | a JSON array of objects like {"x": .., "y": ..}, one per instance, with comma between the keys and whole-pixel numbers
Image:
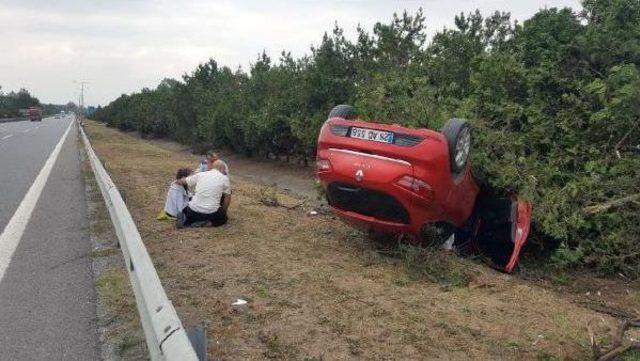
[
  {"x": 7, "y": 136},
  {"x": 13, "y": 231},
  {"x": 27, "y": 130}
]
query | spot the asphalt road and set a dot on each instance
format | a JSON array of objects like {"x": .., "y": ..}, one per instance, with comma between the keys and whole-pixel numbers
[{"x": 47, "y": 297}]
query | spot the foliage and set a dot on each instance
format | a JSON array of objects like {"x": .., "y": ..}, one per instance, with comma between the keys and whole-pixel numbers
[
  {"x": 12, "y": 102},
  {"x": 550, "y": 99}
]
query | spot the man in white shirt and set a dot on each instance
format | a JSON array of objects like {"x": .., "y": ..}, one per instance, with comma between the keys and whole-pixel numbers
[{"x": 211, "y": 198}]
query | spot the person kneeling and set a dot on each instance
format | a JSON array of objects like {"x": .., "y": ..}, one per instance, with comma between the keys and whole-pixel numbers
[
  {"x": 211, "y": 198},
  {"x": 177, "y": 196}
]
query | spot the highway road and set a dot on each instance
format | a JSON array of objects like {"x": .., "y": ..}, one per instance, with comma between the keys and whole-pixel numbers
[{"x": 47, "y": 297}]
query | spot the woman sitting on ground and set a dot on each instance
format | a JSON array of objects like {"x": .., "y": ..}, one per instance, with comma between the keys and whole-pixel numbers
[
  {"x": 178, "y": 195},
  {"x": 207, "y": 163}
]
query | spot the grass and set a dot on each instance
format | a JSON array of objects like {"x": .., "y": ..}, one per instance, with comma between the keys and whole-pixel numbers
[
  {"x": 113, "y": 288},
  {"x": 435, "y": 265},
  {"x": 631, "y": 356},
  {"x": 268, "y": 196},
  {"x": 120, "y": 328},
  {"x": 317, "y": 289}
]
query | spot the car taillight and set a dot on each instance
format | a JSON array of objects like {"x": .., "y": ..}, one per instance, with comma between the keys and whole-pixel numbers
[
  {"x": 323, "y": 165},
  {"x": 416, "y": 185}
]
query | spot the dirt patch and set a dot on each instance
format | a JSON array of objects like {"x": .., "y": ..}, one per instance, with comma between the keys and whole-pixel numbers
[
  {"x": 316, "y": 289},
  {"x": 286, "y": 176}
]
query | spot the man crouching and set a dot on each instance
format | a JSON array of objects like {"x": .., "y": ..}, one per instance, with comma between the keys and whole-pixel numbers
[{"x": 211, "y": 198}]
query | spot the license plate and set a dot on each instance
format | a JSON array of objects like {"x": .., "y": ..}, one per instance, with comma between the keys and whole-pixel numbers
[{"x": 370, "y": 134}]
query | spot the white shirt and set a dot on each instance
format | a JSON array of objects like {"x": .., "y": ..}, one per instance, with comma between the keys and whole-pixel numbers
[{"x": 208, "y": 188}]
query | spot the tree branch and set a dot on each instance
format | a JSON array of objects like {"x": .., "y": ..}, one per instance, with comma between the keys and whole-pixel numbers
[
  {"x": 626, "y": 135},
  {"x": 616, "y": 348},
  {"x": 612, "y": 203}
]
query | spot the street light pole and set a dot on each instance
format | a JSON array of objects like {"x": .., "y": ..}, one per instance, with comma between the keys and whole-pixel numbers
[
  {"x": 81, "y": 98},
  {"x": 81, "y": 102}
]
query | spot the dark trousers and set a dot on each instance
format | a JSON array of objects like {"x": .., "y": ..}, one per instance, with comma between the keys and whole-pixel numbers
[{"x": 216, "y": 218}]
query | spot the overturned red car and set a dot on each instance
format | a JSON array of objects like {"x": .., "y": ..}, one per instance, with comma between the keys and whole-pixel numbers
[{"x": 397, "y": 180}]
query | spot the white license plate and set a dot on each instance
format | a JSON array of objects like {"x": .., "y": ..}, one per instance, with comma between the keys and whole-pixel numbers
[{"x": 370, "y": 134}]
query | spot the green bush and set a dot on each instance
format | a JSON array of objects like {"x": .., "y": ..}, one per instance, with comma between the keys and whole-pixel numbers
[
  {"x": 551, "y": 100},
  {"x": 12, "y": 102}
]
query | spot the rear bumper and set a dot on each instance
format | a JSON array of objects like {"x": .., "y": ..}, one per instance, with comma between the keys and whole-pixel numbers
[
  {"x": 400, "y": 211},
  {"x": 374, "y": 203},
  {"x": 371, "y": 208},
  {"x": 367, "y": 223}
]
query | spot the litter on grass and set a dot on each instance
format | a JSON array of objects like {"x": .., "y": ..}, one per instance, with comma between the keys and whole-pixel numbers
[{"x": 239, "y": 302}]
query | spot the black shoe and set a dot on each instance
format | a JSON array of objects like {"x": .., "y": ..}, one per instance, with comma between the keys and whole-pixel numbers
[
  {"x": 180, "y": 220},
  {"x": 199, "y": 224}
]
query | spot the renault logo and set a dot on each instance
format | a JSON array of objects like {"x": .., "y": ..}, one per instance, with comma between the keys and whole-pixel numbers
[{"x": 359, "y": 175}]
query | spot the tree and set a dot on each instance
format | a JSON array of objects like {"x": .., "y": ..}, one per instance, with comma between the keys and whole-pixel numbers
[{"x": 550, "y": 100}]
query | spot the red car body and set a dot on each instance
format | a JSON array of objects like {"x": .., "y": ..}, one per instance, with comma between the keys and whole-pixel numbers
[{"x": 400, "y": 180}]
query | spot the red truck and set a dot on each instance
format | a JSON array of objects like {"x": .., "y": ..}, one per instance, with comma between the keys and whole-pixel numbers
[{"x": 35, "y": 114}]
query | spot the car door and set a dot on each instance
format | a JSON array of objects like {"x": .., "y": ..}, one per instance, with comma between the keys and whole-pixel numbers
[{"x": 502, "y": 229}]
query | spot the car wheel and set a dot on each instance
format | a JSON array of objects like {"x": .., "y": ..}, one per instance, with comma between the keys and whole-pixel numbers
[
  {"x": 343, "y": 111},
  {"x": 458, "y": 135}
]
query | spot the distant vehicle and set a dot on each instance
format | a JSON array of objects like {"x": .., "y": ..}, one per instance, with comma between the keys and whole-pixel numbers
[
  {"x": 35, "y": 114},
  {"x": 396, "y": 180}
]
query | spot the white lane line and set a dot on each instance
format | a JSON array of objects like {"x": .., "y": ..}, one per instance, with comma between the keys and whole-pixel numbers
[
  {"x": 13, "y": 231},
  {"x": 7, "y": 136},
  {"x": 27, "y": 130}
]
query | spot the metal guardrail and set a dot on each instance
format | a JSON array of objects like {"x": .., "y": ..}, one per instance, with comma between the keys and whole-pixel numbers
[
  {"x": 7, "y": 120},
  {"x": 166, "y": 337}
]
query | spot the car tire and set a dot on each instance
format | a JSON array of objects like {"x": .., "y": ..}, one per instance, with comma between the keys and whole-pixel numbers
[
  {"x": 343, "y": 111},
  {"x": 458, "y": 134}
]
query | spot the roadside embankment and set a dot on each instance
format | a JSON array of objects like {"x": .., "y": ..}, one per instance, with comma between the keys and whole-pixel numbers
[{"x": 316, "y": 289}]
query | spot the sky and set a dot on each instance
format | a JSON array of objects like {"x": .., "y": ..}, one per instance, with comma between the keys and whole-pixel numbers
[{"x": 122, "y": 46}]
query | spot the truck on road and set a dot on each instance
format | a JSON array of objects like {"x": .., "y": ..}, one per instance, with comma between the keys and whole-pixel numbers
[{"x": 35, "y": 114}]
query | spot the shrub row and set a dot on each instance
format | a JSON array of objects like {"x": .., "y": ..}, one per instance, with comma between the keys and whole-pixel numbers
[
  {"x": 554, "y": 103},
  {"x": 12, "y": 102}
]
